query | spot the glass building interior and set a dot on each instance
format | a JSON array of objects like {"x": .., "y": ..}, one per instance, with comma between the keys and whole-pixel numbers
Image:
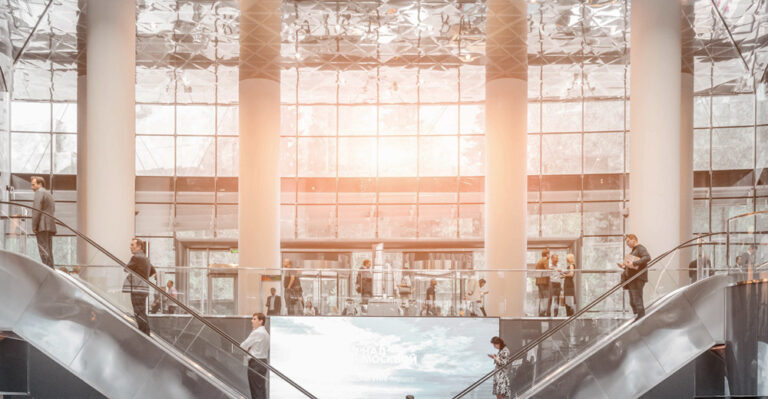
[{"x": 385, "y": 154}]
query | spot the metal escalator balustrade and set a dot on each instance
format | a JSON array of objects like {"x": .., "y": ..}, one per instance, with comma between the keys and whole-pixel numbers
[
  {"x": 558, "y": 348},
  {"x": 95, "y": 297}
]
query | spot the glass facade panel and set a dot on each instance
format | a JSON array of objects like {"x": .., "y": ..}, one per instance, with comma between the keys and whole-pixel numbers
[
  {"x": 357, "y": 157},
  {"x": 357, "y": 221},
  {"x": 733, "y": 148},
  {"x": 154, "y": 156},
  {"x": 316, "y": 221},
  {"x": 438, "y": 156},
  {"x": 561, "y": 153},
  {"x": 603, "y": 153}
]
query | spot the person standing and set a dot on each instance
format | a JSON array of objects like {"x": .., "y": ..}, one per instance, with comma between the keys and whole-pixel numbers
[
  {"x": 404, "y": 289},
  {"x": 135, "y": 286},
  {"x": 556, "y": 284},
  {"x": 569, "y": 289},
  {"x": 542, "y": 283},
  {"x": 174, "y": 294},
  {"x": 364, "y": 281},
  {"x": 43, "y": 225},
  {"x": 257, "y": 345},
  {"x": 293, "y": 291},
  {"x": 475, "y": 296},
  {"x": 634, "y": 265},
  {"x": 430, "y": 298},
  {"x": 273, "y": 303},
  {"x": 501, "y": 386},
  {"x": 483, "y": 295},
  {"x": 748, "y": 259}
]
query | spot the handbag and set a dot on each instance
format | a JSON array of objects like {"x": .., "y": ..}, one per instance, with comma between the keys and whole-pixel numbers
[{"x": 542, "y": 280}]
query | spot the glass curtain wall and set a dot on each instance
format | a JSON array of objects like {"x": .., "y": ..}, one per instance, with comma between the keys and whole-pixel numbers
[
  {"x": 186, "y": 123},
  {"x": 578, "y": 122},
  {"x": 382, "y": 133},
  {"x": 43, "y": 113},
  {"x": 730, "y": 119},
  {"x": 382, "y": 120}
]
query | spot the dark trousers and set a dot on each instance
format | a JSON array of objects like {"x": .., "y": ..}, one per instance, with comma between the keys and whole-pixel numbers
[
  {"x": 544, "y": 297},
  {"x": 257, "y": 379},
  {"x": 555, "y": 298},
  {"x": 45, "y": 247},
  {"x": 139, "y": 302},
  {"x": 636, "y": 298}
]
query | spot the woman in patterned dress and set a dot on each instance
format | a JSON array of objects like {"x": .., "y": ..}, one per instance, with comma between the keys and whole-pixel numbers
[{"x": 501, "y": 385}]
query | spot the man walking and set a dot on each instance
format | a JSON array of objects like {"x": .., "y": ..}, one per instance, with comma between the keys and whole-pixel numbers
[
  {"x": 273, "y": 303},
  {"x": 43, "y": 225},
  {"x": 257, "y": 345},
  {"x": 636, "y": 264},
  {"x": 135, "y": 286}
]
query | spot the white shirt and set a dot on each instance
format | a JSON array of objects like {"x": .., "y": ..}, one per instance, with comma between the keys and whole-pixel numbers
[{"x": 257, "y": 343}]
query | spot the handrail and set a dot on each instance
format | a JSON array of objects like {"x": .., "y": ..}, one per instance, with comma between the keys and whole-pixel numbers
[
  {"x": 167, "y": 296},
  {"x": 552, "y": 331}
]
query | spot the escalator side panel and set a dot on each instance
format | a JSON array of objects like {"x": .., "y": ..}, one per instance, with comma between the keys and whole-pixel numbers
[
  {"x": 708, "y": 300},
  {"x": 136, "y": 356},
  {"x": 626, "y": 364},
  {"x": 674, "y": 333},
  {"x": 191, "y": 384},
  {"x": 580, "y": 376},
  {"x": 96, "y": 344},
  {"x": 18, "y": 285},
  {"x": 59, "y": 321},
  {"x": 638, "y": 356}
]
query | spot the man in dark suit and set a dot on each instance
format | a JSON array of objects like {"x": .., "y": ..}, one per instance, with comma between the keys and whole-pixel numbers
[
  {"x": 135, "y": 286},
  {"x": 43, "y": 225},
  {"x": 273, "y": 303},
  {"x": 636, "y": 264}
]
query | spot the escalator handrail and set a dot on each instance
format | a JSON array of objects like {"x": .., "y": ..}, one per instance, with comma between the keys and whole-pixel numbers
[
  {"x": 168, "y": 296},
  {"x": 552, "y": 331}
]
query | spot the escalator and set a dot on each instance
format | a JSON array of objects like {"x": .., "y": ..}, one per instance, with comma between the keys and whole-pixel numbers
[
  {"x": 627, "y": 358},
  {"x": 84, "y": 322}
]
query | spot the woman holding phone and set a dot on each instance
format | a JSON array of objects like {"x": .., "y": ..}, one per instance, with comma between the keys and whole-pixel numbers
[{"x": 501, "y": 385}]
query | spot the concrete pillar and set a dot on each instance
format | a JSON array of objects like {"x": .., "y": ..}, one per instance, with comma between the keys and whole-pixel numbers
[
  {"x": 506, "y": 153},
  {"x": 656, "y": 148},
  {"x": 105, "y": 148},
  {"x": 259, "y": 180}
]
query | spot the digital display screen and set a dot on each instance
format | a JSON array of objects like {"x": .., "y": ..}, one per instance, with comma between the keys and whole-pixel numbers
[{"x": 381, "y": 357}]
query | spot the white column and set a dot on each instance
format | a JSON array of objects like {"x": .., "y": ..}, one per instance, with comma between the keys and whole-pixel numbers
[
  {"x": 656, "y": 148},
  {"x": 105, "y": 170},
  {"x": 506, "y": 154},
  {"x": 259, "y": 180}
]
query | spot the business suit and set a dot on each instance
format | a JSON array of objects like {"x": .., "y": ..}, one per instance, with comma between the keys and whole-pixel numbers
[
  {"x": 138, "y": 289},
  {"x": 43, "y": 225},
  {"x": 636, "y": 286},
  {"x": 274, "y": 307}
]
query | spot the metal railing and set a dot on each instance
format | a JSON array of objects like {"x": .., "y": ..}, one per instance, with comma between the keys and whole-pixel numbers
[
  {"x": 203, "y": 322},
  {"x": 522, "y": 352}
]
